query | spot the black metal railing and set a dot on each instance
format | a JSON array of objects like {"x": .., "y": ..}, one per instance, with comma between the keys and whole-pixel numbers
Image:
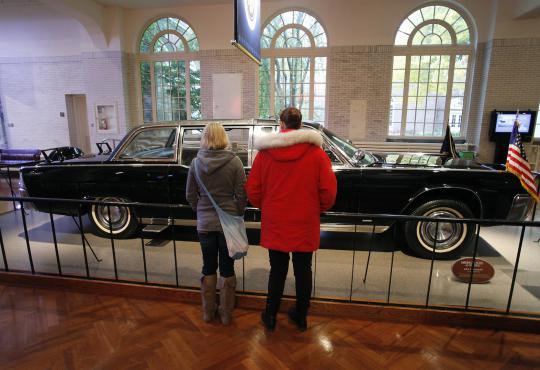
[{"x": 345, "y": 218}]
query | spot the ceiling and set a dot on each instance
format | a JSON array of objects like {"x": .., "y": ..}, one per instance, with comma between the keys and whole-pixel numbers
[{"x": 136, "y": 4}]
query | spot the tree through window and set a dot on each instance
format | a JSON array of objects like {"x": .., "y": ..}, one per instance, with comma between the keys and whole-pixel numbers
[
  {"x": 170, "y": 78},
  {"x": 434, "y": 48},
  {"x": 293, "y": 70}
]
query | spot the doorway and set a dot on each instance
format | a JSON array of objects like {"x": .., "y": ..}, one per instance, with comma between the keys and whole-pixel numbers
[{"x": 77, "y": 115}]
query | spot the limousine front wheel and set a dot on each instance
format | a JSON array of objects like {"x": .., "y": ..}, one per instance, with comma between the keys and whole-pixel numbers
[
  {"x": 122, "y": 222},
  {"x": 443, "y": 240}
]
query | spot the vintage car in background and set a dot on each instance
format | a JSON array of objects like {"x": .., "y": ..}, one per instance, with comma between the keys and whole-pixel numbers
[{"x": 150, "y": 165}]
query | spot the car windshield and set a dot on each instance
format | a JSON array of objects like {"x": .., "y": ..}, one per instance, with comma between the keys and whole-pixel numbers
[{"x": 349, "y": 149}]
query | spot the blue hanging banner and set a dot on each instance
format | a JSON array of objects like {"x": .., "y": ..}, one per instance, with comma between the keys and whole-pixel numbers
[{"x": 247, "y": 28}]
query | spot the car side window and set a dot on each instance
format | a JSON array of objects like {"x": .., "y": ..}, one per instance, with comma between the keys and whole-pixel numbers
[
  {"x": 154, "y": 143},
  {"x": 238, "y": 143}
]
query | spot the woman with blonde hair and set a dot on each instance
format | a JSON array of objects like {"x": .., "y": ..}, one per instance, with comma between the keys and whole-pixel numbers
[{"x": 222, "y": 173}]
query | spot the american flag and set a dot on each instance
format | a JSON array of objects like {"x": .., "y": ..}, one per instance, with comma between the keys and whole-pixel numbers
[{"x": 516, "y": 162}]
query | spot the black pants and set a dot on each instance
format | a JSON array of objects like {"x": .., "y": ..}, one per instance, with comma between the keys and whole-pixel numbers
[
  {"x": 279, "y": 265},
  {"x": 214, "y": 249}
]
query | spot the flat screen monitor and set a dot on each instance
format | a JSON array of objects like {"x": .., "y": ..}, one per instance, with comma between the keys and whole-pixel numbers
[
  {"x": 502, "y": 123},
  {"x": 247, "y": 28}
]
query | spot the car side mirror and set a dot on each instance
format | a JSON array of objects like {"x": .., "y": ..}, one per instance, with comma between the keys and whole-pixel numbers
[{"x": 359, "y": 155}]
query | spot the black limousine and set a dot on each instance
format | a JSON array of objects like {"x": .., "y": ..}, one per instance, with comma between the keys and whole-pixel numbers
[{"x": 151, "y": 163}]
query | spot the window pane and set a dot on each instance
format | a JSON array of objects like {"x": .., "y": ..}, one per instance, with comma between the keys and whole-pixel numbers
[
  {"x": 401, "y": 38},
  {"x": 415, "y": 61},
  {"x": 151, "y": 144},
  {"x": 462, "y": 61},
  {"x": 428, "y": 12},
  {"x": 413, "y": 76},
  {"x": 394, "y": 129},
  {"x": 195, "y": 82},
  {"x": 170, "y": 79},
  {"x": 460, "y": 25},
  {"x": 395, "y": 115},
  {"x": 320, "y": 89},
  {"x": 398, "y": 75},
  {"x": 463, "y": 37},
  {"x": 406, "y": 26},
  {"x": 146, "y": 89},
  {"x": 397, "y": 89},
  {"x": 460, "y": 75},
  {"x": 320, "y": 76},
  {"x": 396, "y": 103},
  {"x": 458, "y": 89},
  {"x": 421, "y": 103}
]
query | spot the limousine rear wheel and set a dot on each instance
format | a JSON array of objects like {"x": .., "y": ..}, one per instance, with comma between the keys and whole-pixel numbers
[
  {"x": 122, "y": 219},
  {"x": 449, "y": 239}
]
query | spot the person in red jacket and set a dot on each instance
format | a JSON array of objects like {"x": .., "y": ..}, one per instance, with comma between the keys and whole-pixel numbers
[{"x": 292, "y": 182}]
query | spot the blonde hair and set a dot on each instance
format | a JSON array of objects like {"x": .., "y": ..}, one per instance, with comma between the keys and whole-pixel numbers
[{"x": 214, "y": 137}]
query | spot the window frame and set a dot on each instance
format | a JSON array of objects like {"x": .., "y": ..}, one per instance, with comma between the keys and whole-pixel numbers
[
  {"x": 452, "y": 50},
  {"x": 272, "y": 53},
  {"x": 201, "y": 127},
  {"x": 187, "y": 56},
  {"x": 136, "y": 133}
]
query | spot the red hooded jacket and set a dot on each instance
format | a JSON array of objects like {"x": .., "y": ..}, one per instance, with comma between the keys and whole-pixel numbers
[{"x": 292, "y": 182}]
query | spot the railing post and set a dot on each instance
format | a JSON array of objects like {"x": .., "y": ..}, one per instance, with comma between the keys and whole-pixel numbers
[
  {"x": 472, "y": 268},
  {"x": 243, "y": 274},
  {"x": 11, "y": 188},
  {"x": 432, "y": 261},
  {"x": 514, "y": 275},
  {"x": 144, "y": 257},
  {"x": 353, "y": 260},
  {"x": 314, "y": 274},
  {"x": 112, "y": 242},
  {"x": 174, "y": 250},
  {"x": 83, "y": 243},
  {"x": 27, "y": 239},
  {"x": 6, "y": 267},
  {"x": 53, "y": 229},
  {"x": 369, "y": 253},
  {"x": 390, "y": 277}
]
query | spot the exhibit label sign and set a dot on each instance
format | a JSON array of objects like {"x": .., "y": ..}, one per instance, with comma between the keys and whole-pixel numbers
[
  {"x": 247, "y": 28},
  {"x": 482, "y": 273}
]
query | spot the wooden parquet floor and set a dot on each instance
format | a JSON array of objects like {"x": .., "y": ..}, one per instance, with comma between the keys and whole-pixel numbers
[{"x": 54, "y": 329}]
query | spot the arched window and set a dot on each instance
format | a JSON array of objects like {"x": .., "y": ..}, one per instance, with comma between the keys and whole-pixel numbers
[
  {"x": 170, "y": 78},
  {"x": 293, "y": 70},
  {"x": 434, "y": 47}
]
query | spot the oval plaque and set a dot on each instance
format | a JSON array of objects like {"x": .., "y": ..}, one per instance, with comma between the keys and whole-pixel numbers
[{"x": 483, "y": 270}]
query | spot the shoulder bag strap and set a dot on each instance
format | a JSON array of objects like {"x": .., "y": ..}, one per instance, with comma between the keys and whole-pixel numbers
[{"x": 201, "y": 184}]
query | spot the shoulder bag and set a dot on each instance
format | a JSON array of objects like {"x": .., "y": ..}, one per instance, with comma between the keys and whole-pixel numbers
[{"x": 233, "y": 227}]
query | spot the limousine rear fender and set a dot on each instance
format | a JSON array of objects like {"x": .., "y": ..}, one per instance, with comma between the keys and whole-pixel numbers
[{"x": 465, "y": 195}]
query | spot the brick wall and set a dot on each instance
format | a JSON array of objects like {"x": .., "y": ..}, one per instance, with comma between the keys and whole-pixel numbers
[
  {"x": 34, "y": 89},
  {"x": 513, "y": 83},
  {"x": 363, "y": 73}
]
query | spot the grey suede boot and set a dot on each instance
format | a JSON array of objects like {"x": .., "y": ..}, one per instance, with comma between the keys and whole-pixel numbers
[
  {"x": 208, "y": 295},
  {"x": 227, "y": 295}
]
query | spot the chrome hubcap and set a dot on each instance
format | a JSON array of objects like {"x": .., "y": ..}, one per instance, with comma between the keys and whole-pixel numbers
[
  {"x": 444, "y": 236},
  {"x": 119, "y": 215}
]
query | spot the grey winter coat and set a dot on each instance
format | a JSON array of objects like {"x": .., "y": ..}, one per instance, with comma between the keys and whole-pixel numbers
[{"x": 223, "y": 174}]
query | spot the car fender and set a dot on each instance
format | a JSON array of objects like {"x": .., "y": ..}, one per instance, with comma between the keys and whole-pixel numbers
[{"x": 445, "y": 190}]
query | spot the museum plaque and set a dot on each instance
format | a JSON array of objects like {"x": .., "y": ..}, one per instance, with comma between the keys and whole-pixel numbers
[{"x": 483, "y": 270}]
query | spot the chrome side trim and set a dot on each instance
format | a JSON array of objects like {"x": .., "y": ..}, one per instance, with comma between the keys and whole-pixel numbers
[{"x": 328, "y": 227}]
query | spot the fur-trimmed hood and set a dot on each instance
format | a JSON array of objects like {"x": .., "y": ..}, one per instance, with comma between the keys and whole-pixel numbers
[
  {"x": 289, "y": 145},
  {"x": 287, "y": 138}
]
